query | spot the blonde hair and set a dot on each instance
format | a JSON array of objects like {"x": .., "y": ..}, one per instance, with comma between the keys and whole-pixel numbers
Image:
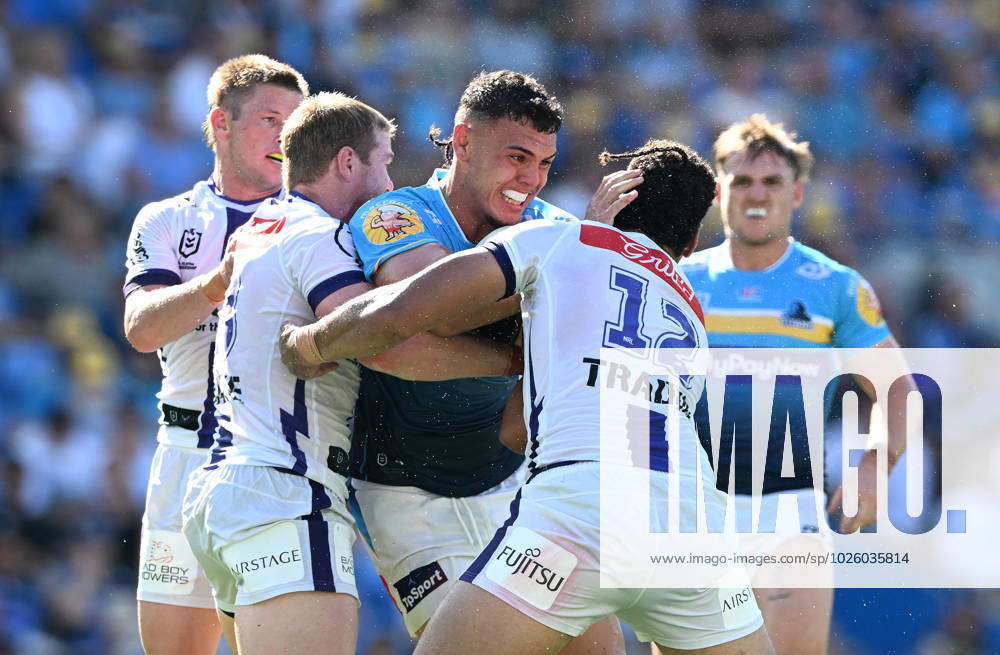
[
  {"x": 757, "y": 135},
  {"x": 319, "y": 127},
  {"x": 235, "y": 80}
]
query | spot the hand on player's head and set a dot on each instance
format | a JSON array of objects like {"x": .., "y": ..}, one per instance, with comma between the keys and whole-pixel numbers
[{"x": 615, "y": 191}]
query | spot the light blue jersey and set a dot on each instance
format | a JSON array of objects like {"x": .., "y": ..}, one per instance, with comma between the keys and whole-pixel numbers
[
  {"x": 440, "y": 436},
  {"x": 805, "y": 299}
]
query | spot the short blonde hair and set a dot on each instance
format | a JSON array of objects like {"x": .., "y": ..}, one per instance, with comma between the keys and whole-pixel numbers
[
  {"x": 319, "y": 127},
  {"x": 757, "y": 135},
  {"x": 235, "y": 80}
]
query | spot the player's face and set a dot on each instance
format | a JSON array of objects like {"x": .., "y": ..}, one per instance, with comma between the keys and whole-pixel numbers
[
  {"x": 757, "y": 198},
  {"x": 254, "y": 151},
  {"x": 509, "y": 164},
  {"x": 374, "y": 176}
]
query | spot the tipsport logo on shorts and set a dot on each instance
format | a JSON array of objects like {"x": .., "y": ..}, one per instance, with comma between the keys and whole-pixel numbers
[{"x": 800, "y": 467}]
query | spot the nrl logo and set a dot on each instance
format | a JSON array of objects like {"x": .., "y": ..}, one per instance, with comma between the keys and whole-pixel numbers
[{"x": 190, "y": 241}]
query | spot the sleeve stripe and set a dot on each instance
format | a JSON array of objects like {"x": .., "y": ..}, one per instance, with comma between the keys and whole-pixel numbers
[
  {"x": 332, "y": 284},
  {"x": 403, "y": 248},
  {"x": 152, "y": 276},
  {"x": 503, "y": 260}
]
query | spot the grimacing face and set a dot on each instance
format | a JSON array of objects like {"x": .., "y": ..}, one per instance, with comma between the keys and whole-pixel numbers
[
  {"x": 508, "y": 164},
  {"x": 757, "y": 198},
  {"x": 253, "y": 151}
]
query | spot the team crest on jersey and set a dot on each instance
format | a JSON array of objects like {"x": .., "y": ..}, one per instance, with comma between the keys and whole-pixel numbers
[
  {"x": 391, "y": 222},
  {"x": 814, "y": 271},
  {"x": 868, "y": 306},
  {"x": 190, "y": 242},
  {"x": 797, "y": 316}
]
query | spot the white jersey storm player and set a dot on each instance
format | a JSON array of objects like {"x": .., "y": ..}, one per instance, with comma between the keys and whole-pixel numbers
[
  {"x": 173, "y": 241},
  {"x": 276, "y": 480},
  {"x": 635, "y": 297}
]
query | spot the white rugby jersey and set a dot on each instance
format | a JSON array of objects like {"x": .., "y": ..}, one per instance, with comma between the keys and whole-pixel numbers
[
  {"x": 173, "y": 241},
  {"x": 587, "y": 286},
  {"x": 268, "y": 417}
]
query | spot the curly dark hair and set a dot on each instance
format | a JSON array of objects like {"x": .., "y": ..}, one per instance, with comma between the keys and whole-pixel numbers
[
  {"x": 505, "y": 94},
  {"x": 677, "y": 189}
]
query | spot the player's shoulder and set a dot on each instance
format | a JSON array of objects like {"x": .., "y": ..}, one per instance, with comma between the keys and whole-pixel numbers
[
  {"x": 698, "y": 263},
  {"x": 172, "y": 207},
  {"x": 405, "y": 201},
  {"x": 293, "y": 217},
  {"x": 811, "y": 264},
  {"x": 538, "y": 209},
  {"x": 549, "y": 229}
]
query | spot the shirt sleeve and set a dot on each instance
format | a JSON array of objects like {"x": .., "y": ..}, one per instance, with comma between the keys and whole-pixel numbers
[
  {"x": 323, "y": 262},
  {"x": 385, "y": 227},
  {"x": 522, "y": 250},
  {"x": 859, "y": 322},
  {"x": 151, "y": 256}
]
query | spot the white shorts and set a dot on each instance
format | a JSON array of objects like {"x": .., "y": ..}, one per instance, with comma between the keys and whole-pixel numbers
[
  {"x": 421, "y": 543},
  {"x": 260, "y": 533},
  {"x": 168, "y": 570},
  {"x": 545, "y": 562}
]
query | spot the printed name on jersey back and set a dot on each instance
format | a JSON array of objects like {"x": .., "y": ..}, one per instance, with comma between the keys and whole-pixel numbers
[{"x": 656, "y": 261}]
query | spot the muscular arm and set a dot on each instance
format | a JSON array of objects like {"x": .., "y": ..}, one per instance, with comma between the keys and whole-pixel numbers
[
  {"x": 413, "y": 261},
  {"x": 868, "y": 466},
  {"x": 156, "y": 315},
  {"x": 425, "y": 356},
  {"x": 453, "y": 287}
]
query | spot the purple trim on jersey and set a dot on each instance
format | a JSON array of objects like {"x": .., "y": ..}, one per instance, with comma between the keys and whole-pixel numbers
[
  {"x": 224, "y": 440},
  {"x": 296, "y": 423},
  {"x": 503, "y": 260},
  {"x": 215, "y": 190},
  {"x": 658, "y": 445},
  {"x": 206, "y": 434},
  {"x": 151, "y": 276},
  {"x": 320, "y": 499},
  {"x": 332, "y": 284},
  {"x": 299, "y": 194},
  {"x": 234, "y": 219},
  {"x": 536, "y": 410},
  {"x": 478, "y": 564},
  {"x": 319, "y": 550}
]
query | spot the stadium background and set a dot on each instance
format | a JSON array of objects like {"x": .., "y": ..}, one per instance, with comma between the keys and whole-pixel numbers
[{"x": 104, "y": 102}]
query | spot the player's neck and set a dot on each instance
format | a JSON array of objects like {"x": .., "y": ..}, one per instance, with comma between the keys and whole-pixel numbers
[
  {"x": 230, "y": 185},
  {"x": 329, "y": 196},
  {"x": 462, "y": 207},
  {"x": 754, "y": 257}
]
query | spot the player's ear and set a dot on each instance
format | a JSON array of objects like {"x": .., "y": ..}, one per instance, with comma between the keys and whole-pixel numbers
[
  {"x": 797, "y": 194},
  {"x": 460, "y": 141},
  {"x": 694, "y": 243},
  {"x": 218, "y": 122},
  {"x": 346, "y": 162},
  {"x": 718, "y": 195}
]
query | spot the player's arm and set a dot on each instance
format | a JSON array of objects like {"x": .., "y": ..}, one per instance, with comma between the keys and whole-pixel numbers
[
  {"x": 448, "y": 290},
  {"x": 423, "y": 356},
  {"x": 408, "y": 263},
  {"x": 157, "y": 314},
  {"x": 895, "y": 445}
]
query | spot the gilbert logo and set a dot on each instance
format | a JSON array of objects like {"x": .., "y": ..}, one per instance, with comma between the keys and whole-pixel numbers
[{"x": 531, "y": 566}]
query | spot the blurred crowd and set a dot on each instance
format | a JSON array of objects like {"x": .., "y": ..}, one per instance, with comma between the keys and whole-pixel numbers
[{"x": 104, "y": 104}]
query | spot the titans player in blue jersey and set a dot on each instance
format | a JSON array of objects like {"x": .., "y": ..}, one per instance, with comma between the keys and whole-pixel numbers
[
  {"x": 761, "y": 288},
  {"x": 430, "y": 451}
]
